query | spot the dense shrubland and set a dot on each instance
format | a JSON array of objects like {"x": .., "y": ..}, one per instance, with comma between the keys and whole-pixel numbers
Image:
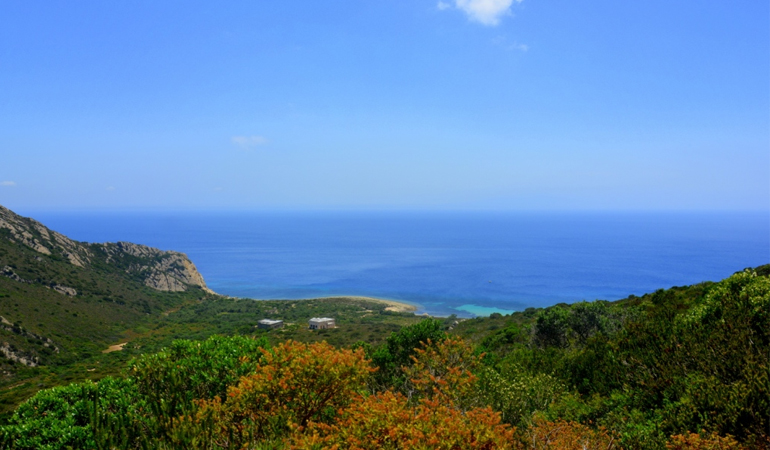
[{"x": 684, "y": 368}]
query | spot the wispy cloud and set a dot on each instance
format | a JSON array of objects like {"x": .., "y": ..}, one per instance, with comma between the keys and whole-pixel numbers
[
  {"x": 7, "y": 183},
  {"x": 248, "y": 142},
  {"x": 486, "y": 12},
  {"x": 503, "y": 42},
  {"x": 110, "y": 188}
]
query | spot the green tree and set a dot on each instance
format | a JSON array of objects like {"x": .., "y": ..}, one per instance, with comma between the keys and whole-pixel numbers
[
  {"x": 551, "y": 327},
  {"x": 398, "y": 350}
]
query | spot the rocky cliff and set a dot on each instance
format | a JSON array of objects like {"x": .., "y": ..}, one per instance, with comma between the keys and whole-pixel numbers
[
  {"x": 161, "y": 270},
  {"x": 158, "y": 269},
  {"x": 39, "y": 238}
]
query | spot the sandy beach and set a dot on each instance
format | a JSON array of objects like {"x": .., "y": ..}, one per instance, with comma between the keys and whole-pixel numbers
[{"x": 392, "y": 304}]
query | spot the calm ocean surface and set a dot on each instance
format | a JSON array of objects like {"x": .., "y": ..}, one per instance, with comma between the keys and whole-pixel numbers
[{"x": 447, "y": 263}]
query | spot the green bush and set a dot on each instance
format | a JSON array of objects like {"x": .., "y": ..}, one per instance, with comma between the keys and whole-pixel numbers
[
  {"x": 552, "y": 327},
  {"x": 517, "y": 394},
  {"x": 171, "y": 379},
  {"x": 65, "y": 417}
]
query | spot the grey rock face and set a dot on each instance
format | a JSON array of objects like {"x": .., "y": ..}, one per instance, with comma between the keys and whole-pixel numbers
[
  {"x": 36, "y": 236},
  {"x": 64, "y": 290},
  {"x": 160, "y": 270},
  {"x": 8, "y": 272},
  {"x": 7, "y": 350},
  {"x": 9, "y": 353}
]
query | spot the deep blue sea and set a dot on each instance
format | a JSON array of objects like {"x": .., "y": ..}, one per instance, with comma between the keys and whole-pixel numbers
[{"x": 447, "y": 263}]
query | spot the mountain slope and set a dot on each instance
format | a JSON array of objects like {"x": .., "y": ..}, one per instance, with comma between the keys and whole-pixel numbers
[
  {"x": 160, "y": 270},
  {"x": 62, "y": 300}
]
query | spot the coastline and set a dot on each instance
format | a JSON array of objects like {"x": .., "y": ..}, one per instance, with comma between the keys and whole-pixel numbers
[{"x": 392, "y": 305}]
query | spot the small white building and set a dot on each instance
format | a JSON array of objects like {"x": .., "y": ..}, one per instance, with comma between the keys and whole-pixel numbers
[
  {"x": 321, "y": 323},
  {"x": 269, "y": 324}
]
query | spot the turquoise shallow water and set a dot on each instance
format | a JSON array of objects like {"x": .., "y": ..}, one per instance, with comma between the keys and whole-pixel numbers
[
  {"x": 477, "y": 310},
  {"x": 448, "y": 263}
]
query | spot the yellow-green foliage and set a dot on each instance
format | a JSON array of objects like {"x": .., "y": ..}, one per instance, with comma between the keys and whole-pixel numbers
[{"x": 517, "y": 394}]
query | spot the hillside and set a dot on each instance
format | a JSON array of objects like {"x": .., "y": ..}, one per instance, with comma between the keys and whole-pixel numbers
[
  {"x": 64, "y": 302},
  {"x": 680, "y": 368},
  {"x": 61, "y": 299}
]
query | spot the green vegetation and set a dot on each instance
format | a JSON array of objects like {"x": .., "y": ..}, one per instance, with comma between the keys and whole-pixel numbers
[
  {"x": 192, "y": 315},
  {"x": 683, "y": 368},
  {"x": 684, "y": 359},
  {"x": 358, "y": 319},
  {"x": 57, "y": 338}
]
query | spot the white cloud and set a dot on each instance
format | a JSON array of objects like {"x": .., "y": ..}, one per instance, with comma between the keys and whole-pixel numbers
[
  {"x": 486, "y": 12},
  {"x": 248, "y": 142},
  {"x": 7, "y": 183}
]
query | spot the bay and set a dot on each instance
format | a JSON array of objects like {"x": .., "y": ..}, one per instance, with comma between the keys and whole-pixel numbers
[{"x": 464, "y": 263}]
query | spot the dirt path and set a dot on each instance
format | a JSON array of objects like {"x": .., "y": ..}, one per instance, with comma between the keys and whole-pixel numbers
[{"x": 115, "y": 348}]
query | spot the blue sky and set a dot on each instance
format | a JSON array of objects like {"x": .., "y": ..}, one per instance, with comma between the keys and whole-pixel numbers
[{"x": 452, "y": 104}]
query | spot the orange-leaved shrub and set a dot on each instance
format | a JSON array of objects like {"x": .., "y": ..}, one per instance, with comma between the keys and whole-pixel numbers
[
  {"x": 436, "y": 413},
  {"x": 293, "y": 384},
  {"x": 387, "y": 421},
  {"x": 694, "y": 441},
  {"x": 444, "y": 370},
  {"x": 564, "y": 435}
]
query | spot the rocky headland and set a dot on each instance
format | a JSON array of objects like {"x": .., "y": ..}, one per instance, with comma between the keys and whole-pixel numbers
[{"x": 161, "y": 270}]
